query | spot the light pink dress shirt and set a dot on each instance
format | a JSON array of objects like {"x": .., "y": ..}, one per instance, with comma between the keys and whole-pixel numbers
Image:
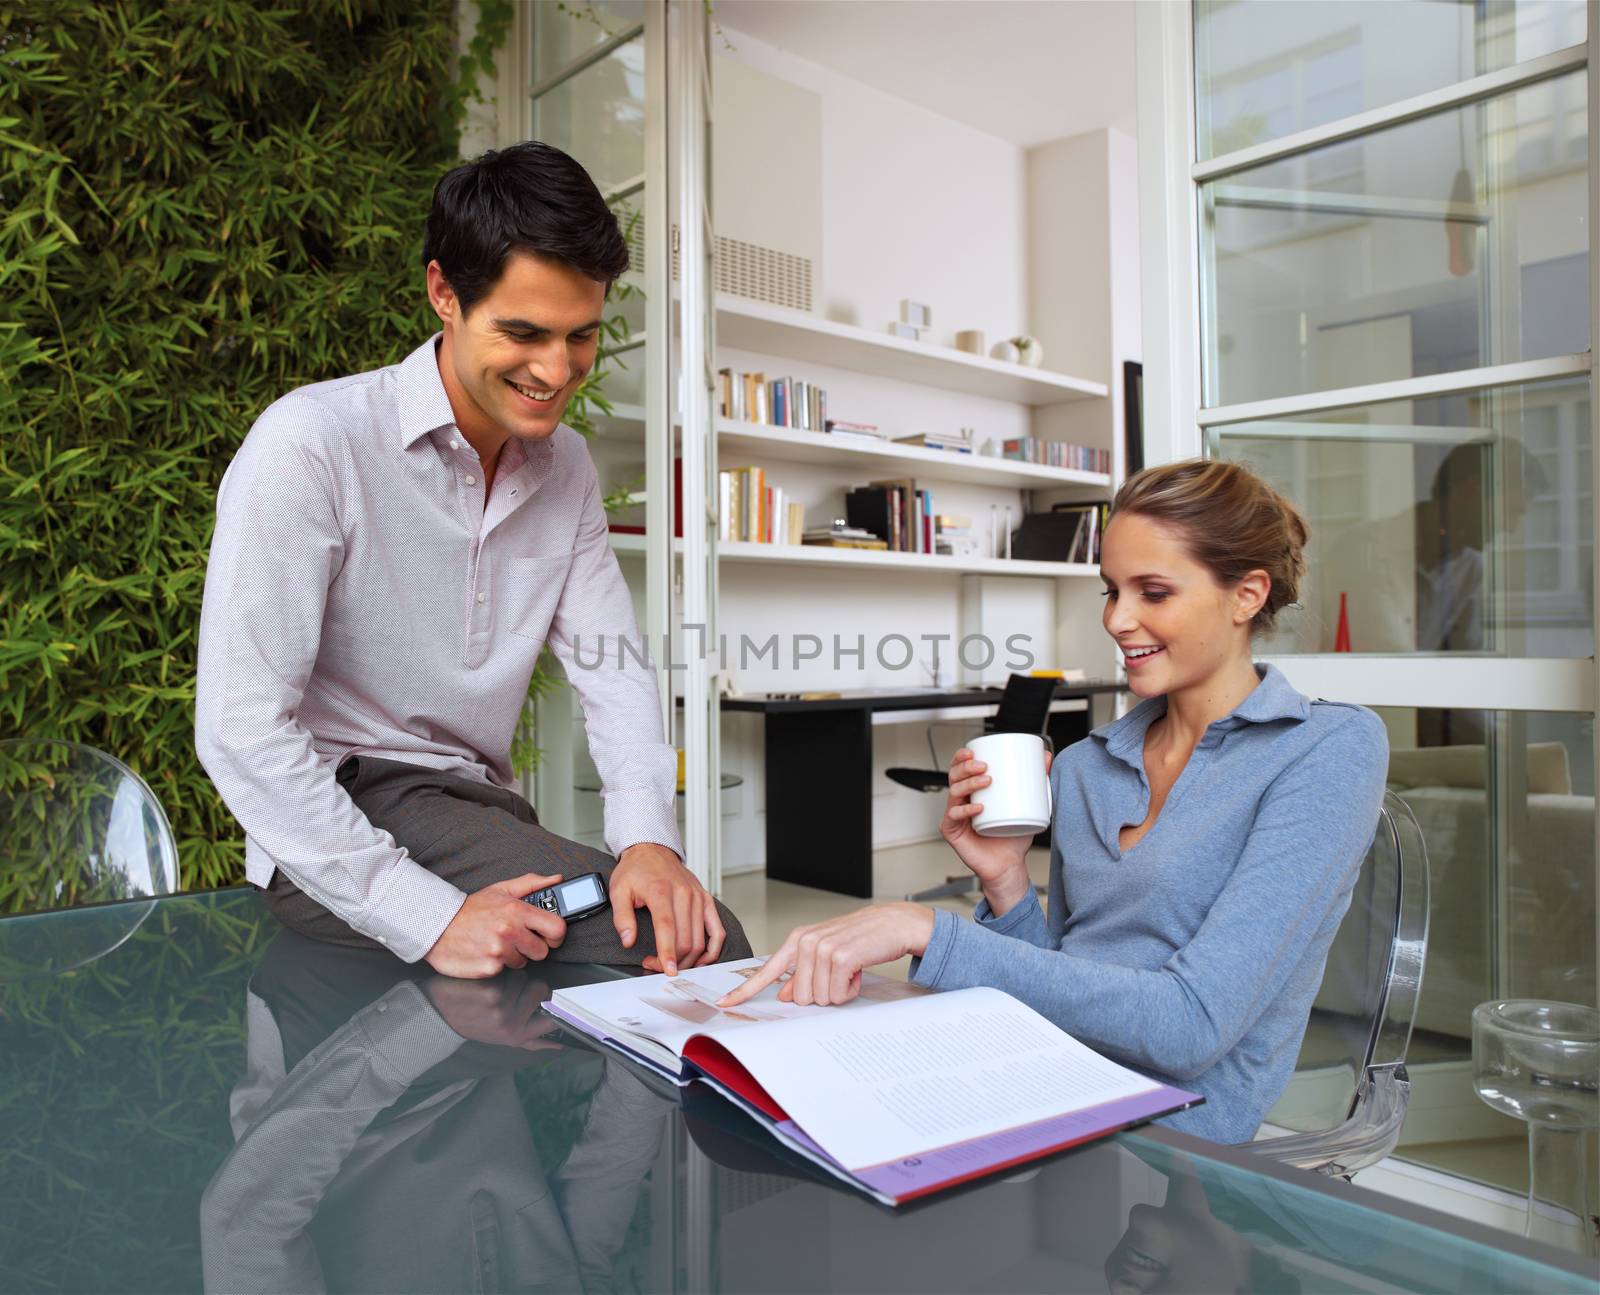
[{"x": 361, "y": 599}]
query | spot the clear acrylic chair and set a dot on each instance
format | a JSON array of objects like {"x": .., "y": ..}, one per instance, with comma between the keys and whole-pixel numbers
[
  {"x": 79, "y": 831},
  {"x": 1348, "y": 1100}
]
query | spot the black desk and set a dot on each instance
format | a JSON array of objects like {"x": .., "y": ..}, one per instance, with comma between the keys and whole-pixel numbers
[{"x": 819, "y": 773}]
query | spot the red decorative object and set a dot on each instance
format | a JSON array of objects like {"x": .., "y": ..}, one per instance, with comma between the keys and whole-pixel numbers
[{"x": 1341, "y": 636}]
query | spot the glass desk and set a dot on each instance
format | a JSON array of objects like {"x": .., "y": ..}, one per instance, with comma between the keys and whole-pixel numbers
[{"x": 220, "y": 1104}]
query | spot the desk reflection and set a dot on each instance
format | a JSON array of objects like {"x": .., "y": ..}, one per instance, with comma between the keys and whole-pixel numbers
[{"x": 381, "y": 1142}]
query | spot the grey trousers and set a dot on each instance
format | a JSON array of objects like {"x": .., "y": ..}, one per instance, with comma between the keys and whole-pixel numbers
[{"x": 472, "y": 835}]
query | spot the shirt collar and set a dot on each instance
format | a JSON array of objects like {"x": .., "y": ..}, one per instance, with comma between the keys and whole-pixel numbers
[
  {"x": 424, "y": 406},
  {"x": 1274, "y": 698}
]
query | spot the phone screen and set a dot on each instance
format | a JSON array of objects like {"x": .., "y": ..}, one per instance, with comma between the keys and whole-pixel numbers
[{"x": 579, "y": 894}]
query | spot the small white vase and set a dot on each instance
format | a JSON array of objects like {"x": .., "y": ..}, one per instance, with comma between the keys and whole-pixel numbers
[
  {"x": 1005, "y": 351},
  {"x": 1032, "y": 352}
]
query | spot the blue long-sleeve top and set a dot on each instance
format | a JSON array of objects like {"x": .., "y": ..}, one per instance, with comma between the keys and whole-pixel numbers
[{"x": 1194, "y": 956}]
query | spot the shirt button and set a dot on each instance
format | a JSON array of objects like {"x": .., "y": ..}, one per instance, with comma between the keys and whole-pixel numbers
[
  {"x": 383, "y": 939},
  {"x": 472, "y": 481},
  {"x": 483, "y": 598},
  {"x": 455, "y": 445}
]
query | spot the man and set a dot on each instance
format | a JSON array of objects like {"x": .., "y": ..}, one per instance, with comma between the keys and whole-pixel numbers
[
  {"x": 392, "y": 551},
  {"x": 401, "y": 1131}
]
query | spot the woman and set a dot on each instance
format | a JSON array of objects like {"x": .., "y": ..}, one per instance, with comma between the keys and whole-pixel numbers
[{"x": 1205, "y": 844}]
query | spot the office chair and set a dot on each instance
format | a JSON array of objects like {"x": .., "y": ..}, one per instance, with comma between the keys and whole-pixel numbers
[
  {"x": 1354, "y": 1053},
  {"x": 1024, "y": 708},
  {"x": 78, "y": 830}
]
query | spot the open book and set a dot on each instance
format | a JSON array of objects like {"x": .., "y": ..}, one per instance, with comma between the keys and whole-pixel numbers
[{"x": 900, "y": 1092}]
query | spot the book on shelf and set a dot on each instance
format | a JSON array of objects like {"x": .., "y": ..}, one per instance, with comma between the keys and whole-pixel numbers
[
  {"x": 906, "y": 521},
  {"x": 867, "y": 509},
  {"x": 842, "y": 535},
  {"x": 751, "y": 511},
  {"x": 1067, "y": 533},
  {"x": 777, "y": 402},
  {"x": 951, "y": 442},
  {"x": 1056, "y": 454},
  {"x": 953, "y": 536},
  {"x": 857, "y": 433},
  {"x": 871, "y": 543},
  {"x": 876, "y": 1092},
  {"x": 897, "y": 512}
]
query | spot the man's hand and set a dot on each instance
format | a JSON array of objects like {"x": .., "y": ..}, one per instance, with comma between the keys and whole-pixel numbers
[
  {"x": 827, "y": 958},
  {"x": 495, "y": 929},
  {"x": 688, "y": 929},
  {"x": 505, "y": 1013}
]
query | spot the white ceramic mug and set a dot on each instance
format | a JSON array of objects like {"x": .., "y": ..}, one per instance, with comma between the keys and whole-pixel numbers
[{"x": 1017, "y": 801}]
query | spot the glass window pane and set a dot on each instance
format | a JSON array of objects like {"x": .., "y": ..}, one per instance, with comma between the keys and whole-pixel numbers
[
  {"x": 1268, "y": 68},
  {"x": 1457, "y": 524},
  {"x": 1447, "y": 243},
  {"x": 1506, "y": 803},
  {"x": 561, "y": 32},
  {"x": 598, "y": 117}
]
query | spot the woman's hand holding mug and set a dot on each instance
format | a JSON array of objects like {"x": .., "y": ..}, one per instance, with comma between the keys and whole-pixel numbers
[{"x": 999, "y": 862}]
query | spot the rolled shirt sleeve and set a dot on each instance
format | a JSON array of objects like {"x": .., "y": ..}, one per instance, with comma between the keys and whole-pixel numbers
[
  {"x": 277, "y": 548},
  {"x": 596, "y": 638},
  {"x": 1279, "y": 907}
]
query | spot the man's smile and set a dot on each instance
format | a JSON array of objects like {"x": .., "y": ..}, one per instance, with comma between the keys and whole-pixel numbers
[{"x": 539, "y": 397}]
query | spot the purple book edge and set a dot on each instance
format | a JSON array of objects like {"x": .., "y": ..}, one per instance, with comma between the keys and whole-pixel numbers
[{"x": 903, "y": 1179}]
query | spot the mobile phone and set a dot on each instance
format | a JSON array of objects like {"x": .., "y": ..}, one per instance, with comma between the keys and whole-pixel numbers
[{"x": 572, "y": 899}]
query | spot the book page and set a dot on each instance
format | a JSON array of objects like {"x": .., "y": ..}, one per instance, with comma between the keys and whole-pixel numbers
[
  {"x": 920, "y": 1074},
  {"x": 673, "y": 1009}
]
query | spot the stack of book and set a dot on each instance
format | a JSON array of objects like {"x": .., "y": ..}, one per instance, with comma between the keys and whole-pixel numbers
[
  {"x": 953, "y": 537},
  {"x": 841, "y": 535},
  {"x": 895, "y": 511},
  {"x": 856, "y": 433},
  {"x": 955, "y": 442},
  {"x": 751, "y": 511},
  {"x": 780, "y": 402},
  {"x": 1056, "y": 454}
]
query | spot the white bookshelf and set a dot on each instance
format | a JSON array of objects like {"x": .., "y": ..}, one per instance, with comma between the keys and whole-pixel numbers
[
  {"x": 790, "y": 445},
  {"x": 815, "y": 555},
  {"x": 772, "y": 330}
]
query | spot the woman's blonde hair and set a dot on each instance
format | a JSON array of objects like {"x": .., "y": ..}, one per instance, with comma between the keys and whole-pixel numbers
[{"x": 1230, "y": 520}]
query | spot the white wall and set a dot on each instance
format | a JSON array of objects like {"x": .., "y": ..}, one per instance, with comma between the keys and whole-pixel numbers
[
  {"x": 913, "y": 204},
  {"x": 1083, "y": 253}
]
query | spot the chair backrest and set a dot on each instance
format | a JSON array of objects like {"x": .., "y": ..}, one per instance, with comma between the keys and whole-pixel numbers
[
  {"x": 1024, "y": 706},
  {"x": 1363, "y": 1014},
  {"x": 78, "y": 830}
]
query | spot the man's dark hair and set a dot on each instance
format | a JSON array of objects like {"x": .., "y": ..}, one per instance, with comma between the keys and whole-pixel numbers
[{"x": 526, "y": 198}]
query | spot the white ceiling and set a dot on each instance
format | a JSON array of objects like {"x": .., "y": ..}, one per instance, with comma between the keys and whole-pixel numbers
[{"x": 1027, "y": 71}]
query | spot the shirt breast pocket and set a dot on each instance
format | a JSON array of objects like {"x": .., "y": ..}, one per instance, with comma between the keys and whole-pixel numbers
[{"x": 533, "y": 592}]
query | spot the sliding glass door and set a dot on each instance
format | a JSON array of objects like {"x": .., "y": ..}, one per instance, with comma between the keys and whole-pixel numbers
[
  {"x": 1387, "y": 212},
  {"x": 623, "y": 86}
]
